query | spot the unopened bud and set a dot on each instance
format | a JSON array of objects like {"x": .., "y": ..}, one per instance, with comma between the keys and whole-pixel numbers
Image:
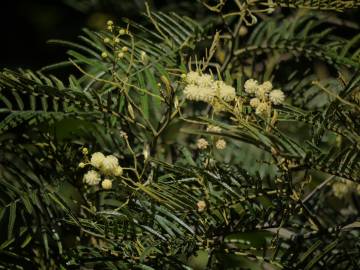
[
  {"x": 144, "y": 58},
  {"x": 81, "y": 165}
]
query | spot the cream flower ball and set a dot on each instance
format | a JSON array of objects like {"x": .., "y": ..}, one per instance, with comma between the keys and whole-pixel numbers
[
  {"x": 106, "y": 184},
  {"x": 277, "y": 96},
  {"x": 82, "y": 165},
  {"x": 212, "y": 128},
  {"x": 202, "y": 144},
  {"x": 220, "y": 144},
  {"x": 191, "y": 91},
  {"x": 109, "y": 164},
  {"x": 226, "y": 92},
  {"x": 118, "y": 171},
  {"x": 263, "y": 90},
  {"x": 97, "y": 159},
  {"x": 197, "y": 93},
  {"x": 251, "y": 86},
  {"x": 254, "y": 102},
  {"x": 266, "y": 86},
  {"x": 201, "y": 206},
  {"x": 262, "y": 108},
  {"x": 192, "y": 77},
  {"x": 262, "y": 94},
  {"x": 205, "y": 80},
  {"x": 92, "y": 178}
]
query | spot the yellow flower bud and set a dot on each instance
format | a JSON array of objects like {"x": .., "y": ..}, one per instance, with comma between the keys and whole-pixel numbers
[
  {"x": 118, "y": 171},
  {"x": 97, "y": 159},
  {"x": 122, "y": 32},
  {"x": 243, "y": 31},
  {"x": 106, "y": 184},
  {"x": 82, "y": 165},
  {"x": 220, "y": 144},
  {"x": 202, "y": 144},
  {"x": 104, "y": 55},
  {"x": 109, "y": 164},
  {"x": 201, "y": 205},
  {"x": 144, "y": 58},
  {"x": 92, "y": 178},
  {"x": 124, "y": 49}
]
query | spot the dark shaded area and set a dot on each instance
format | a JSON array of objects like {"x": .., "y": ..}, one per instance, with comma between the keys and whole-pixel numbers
[{"x": 26, "y": 25}]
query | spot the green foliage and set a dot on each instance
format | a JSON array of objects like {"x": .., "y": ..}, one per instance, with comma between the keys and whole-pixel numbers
[{"x": 283, "y": 194}]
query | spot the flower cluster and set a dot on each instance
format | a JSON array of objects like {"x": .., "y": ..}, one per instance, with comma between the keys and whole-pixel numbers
[
  {"x": 212, "y": 128},
  {"x": 201, "y": 206},
  {"x": 202, "y": 87},
  {"x": 219, "y": 143},
  {"x": 202, "y": 144},
  {"x": 107, "y": 166},
  {"x": 264, "y": 96},
  {"x": 343, "y": 187},
  {"x": 114, "y": 41}
]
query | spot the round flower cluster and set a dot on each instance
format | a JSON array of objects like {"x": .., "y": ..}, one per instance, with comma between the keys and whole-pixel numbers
[
  {"x": 103, "y": 165},
  {"x": 202, "y": 144},
  {"x": 113, "y": 42},
  {"x": 211, "y": 128},
  {"x": 343, "y": 187},
  {"x": 204, "y": 88},
  {"x": 264, "y": 95},
  {"x": 201, "y": 206},
  {"x": 220, "y": 144}
]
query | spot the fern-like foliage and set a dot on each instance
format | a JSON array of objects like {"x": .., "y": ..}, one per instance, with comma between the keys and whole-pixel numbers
[
  {"x": 266, "y": 196},
  {"x": 338, "y": 5}
]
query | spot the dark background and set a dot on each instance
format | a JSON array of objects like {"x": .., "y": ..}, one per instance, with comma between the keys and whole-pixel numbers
[{"x": 26, "y": 25}]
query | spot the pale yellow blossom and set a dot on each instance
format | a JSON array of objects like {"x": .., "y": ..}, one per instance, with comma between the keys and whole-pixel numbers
[
  {"x": 201, "y": 206},
  {"x": 251, "y": 86},
  {"x": 262, "y": 108},
  {"x": 220, "y": 144},
  {"x": 277, "y": 96},
  {"x": 254, "y": 102},
  {"x": 202, "y": 144},
  {"x": 92, "y": 178},
  {"x": 97, "y": 159},
  {"x": 106, "y": 184},
  {"x": 109, "y": 164}
]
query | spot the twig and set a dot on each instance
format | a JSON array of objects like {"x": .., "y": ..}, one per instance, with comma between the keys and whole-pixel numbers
[{"x": 317, "y": 188}]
